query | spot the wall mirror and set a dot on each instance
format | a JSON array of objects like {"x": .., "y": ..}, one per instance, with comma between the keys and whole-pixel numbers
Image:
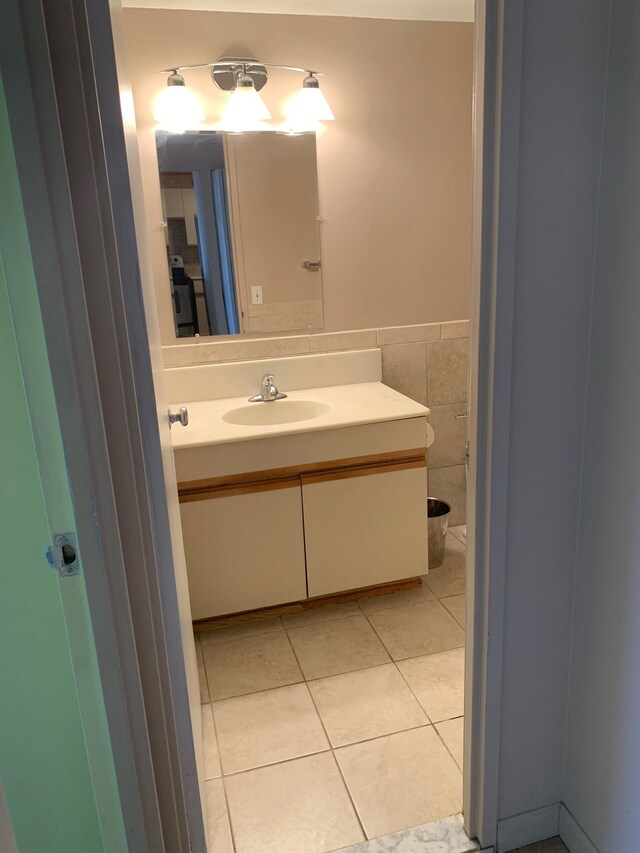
[{"x": 242, "y": 236}]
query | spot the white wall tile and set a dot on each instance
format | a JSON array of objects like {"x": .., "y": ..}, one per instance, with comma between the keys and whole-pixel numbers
[
  {"x": 409, "y": 334},
  {"x": 344, "y": 340},
  {"x": 404, "y": 368},
  {"x": 459, "y": 329}
]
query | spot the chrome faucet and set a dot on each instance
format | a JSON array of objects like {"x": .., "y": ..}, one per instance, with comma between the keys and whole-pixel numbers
[{"x": 268, "y": 391}]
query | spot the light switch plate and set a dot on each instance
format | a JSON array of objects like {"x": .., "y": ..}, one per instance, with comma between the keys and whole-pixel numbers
[{"x": 256, "y": 295}]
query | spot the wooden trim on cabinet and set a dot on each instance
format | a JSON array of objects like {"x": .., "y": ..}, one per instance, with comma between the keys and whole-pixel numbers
[
  {"x": 315, "y": 472},
  {"x": 229, "y": 490},
  {"x": 362, "y": 471}
]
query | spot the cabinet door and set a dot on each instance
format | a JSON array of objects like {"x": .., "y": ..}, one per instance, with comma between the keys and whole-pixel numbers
[
  {"x": 364, "y": 530},
  {"x": 245, "y": 551}
]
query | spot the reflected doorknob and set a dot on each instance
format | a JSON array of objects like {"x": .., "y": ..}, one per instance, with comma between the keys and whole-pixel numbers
[
  {"x": 314, "y": 266},
  {"x": 181, "y": 416}
]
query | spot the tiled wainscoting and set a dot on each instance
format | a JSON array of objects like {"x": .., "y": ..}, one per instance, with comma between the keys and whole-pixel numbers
[
  {"x": 435, "y": 372},
  {"x": 276, "y": 316},
  {"x": 427, "y": 362}
]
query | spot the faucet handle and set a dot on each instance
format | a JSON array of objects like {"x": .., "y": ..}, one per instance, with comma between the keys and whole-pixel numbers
[{"x": 268, "y": 391}]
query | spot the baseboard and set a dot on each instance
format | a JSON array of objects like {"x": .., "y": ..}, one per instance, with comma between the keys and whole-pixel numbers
[
  {"x": 527, "y": 828},
  {"x": 573, "y": 834}
]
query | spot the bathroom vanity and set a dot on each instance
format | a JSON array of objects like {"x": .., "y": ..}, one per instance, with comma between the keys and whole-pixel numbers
[{"x": 303, "y": 497}]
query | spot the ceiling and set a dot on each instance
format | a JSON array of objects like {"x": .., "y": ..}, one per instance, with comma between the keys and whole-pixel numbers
[{"x": 410, "y": 10}]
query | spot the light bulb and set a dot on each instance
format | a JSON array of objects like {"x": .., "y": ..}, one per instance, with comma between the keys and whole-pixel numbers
[
  {"x": 246, "y": 109},
  {"x": 176, "y": 108},
  {"x": 309, "y": 106}
]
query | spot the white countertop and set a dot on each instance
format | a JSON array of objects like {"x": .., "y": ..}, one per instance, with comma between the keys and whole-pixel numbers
[{"x": 365, "y": 402}]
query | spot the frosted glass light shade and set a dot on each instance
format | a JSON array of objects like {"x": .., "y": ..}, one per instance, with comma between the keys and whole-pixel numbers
[
  {"x": 309, "y": 107},
  {"x": 177, "y": 109},
  {"x": 245, "y": 110}
]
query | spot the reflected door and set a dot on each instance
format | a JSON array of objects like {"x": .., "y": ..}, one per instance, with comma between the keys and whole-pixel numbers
[{"x": 273, "y": 196}]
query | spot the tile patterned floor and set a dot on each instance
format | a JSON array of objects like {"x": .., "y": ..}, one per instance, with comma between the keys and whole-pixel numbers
[{"x": 326, "y": 728}]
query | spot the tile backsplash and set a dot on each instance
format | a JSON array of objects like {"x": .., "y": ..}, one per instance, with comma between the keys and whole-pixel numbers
[{"x": 428, "y": 362}]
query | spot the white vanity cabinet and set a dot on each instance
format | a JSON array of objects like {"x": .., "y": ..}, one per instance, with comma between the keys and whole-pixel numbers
[
  {"x": 244, "y": 551},
  {"x": 364, "y": 528},
  {"x": 282, "y": 535},
  {"x": 319, "y": 494}
]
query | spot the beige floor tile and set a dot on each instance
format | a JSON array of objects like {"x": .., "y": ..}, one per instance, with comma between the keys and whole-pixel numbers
[
  {"x": 343, "y": 645},
  {"x": 218, "y": 829},
  {"x": 202, "y": 676},
  {"x": 452, "y": 733},
  {"x": 396, "y": 599},
  {"x": 438, "y": 682},
  {"x": 366, "y": 704},
  {"x": 301, "y": 806},
  {"x": 401, "y": 780},
  {"x": 456, "y": 605},
  {"x": 417, "y": 629},
  {"x": 250, "y": 664},
  {"x": 449, "y": 578},
  {"x": 210, "y": 745},
  {"x": 263, "y": 728},
  {"x": 320, "y": 614},
  {"x": 250, "y": 628}
]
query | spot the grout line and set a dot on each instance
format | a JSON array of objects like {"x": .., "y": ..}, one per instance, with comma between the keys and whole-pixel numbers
[
  {"x": 206, "y": 675},
  {"x": 435, "y": 728},
  {"x": 221, "y": 777},
  {"x": 322, "y": 621},
  {"x": 384, "y": 734},
  {"x": 397, "y": 606},
  {"x": 247, "y": 637},
  {"x": 413, "y": 693},
  {"x": 351, "y": 800},
  {"x": 450, "y": 529},
  {"x": 256, "y": 692},
  {"x": 451, "y": 614},
  {"x": 304, "y": 677},
  {"x": 246, "y": 770},
  {"x": 332, "y": 749},
  {"x": 226, "y": 801},
  {"x": 380, "y": 638}
]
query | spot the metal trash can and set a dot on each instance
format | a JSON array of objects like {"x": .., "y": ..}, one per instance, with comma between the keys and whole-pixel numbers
[{"x": 437, "y": 523}]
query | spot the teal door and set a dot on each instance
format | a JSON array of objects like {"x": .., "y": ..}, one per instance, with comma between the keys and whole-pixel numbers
[{"x": 56, "y": 768}]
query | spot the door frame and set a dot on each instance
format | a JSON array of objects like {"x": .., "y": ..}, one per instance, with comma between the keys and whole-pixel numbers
[
  {"x": 60, "y": 55},
  {"x": 58, "y": 69},
  {"x": 497, "y": 95}
]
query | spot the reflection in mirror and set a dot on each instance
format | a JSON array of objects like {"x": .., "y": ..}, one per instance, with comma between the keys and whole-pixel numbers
[{"x": 242, "y": 231}]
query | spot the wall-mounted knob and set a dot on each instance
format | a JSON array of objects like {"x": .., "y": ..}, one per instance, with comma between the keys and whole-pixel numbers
[{"x": 182, "y": 416}]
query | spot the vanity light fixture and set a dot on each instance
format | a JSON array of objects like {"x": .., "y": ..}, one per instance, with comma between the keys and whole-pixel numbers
[
  {"x": 177, "y": 109},
  {"x": 246, "y": 111},
  {"x": 310, "y": 105}
]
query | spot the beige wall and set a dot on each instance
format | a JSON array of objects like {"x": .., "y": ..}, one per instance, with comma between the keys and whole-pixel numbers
[{"x": 394, "y": 168}]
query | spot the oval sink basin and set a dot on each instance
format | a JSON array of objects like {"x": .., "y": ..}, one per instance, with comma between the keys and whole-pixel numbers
[{"x": 277, "y": 412}]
